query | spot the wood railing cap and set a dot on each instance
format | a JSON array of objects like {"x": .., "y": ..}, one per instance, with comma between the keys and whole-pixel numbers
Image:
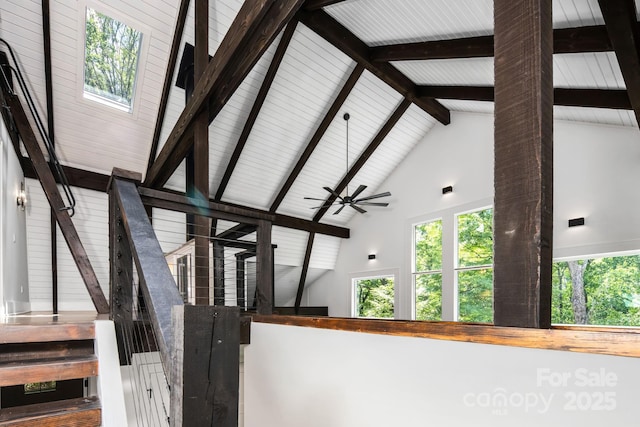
[{"x": 125, "y": 175}]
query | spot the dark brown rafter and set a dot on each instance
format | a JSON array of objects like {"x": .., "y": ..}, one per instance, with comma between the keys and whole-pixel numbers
[
  {"x": 566, "y": 40},
  {"x": 177, "y": 201},
  {"x": 168, "y": 79},
  {"x": 319, "y": 4},
  {"x": 317, "y": 136},
  {"x": 254, "y": 28},
  {"x": 598, "y": 98},
  {"x": 305, "y": 270},
  {"x": 620, "y": 19},
  {"x": 257, "y": 105},
  {"x": 339, "y": 36},
  {"x": 237, "y": 231},
  {"x": 355, "y": 168}
]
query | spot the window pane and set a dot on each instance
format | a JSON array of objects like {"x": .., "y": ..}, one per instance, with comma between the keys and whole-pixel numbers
[
  {"x": 111, "y": 58},
  {"x": 599, "y": 291},
  {"x": 475, "y": 295},
  {"x": 428, "y": 251},
  {"x": 475, "y": 238},
  {"x": 374, "y": 297},
  {"x": 428, "y": 296}
]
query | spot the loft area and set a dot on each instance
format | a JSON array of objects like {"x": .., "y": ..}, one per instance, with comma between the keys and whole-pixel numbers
[{"x": 510, "y": 210}]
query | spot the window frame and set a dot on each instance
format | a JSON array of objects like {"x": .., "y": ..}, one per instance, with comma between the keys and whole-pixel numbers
[
  {"x": 414, "y": 271},
  {"x": 96, "y": 102},
  {"x": 449, "y": 256},
  {"x": 456, "y": 263},
  {"x": 374, "y": 274}
]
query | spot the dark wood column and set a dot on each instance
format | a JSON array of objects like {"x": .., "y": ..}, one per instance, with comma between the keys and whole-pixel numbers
[
  {"x": 200, "y": 154},
  {"x": 523, "y": 163},
  {"x": 264, "y": 276}
]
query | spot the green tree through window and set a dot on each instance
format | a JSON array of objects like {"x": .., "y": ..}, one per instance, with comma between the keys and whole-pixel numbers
[
  {"x": 597, "y": 291},
  {"x": 427, "y": 274},
  {"x": 111, "y": 58},
  {"x": 475, "y": 266},
  {"x": 374, "y": 297}
]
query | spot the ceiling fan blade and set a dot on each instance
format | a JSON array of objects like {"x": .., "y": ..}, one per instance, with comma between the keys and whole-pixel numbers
[
  {"x": 339, "y": 210},
  {"x": 359, "y": 190},
  {"x": 313, "y": 198},
  {"x": 374, "y": 204},
  {"x": 333, "y": 193},
  {"x": 375, "y": 196},
  {"x": 322, "y": 206},
  {"x": 358, "y": 208}
]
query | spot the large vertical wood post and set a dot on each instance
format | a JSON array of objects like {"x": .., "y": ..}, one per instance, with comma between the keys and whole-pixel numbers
[
  {"x": 264, "y": 274},
  {"x": 523, "y": 163},
  {"x": 201, "y": 156},
  {"x": 205, "y": 372}
]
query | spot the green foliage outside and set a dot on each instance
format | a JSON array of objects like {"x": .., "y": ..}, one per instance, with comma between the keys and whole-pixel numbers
[
  {"x": 374, "y": 297},
  {"x": 612, "y": 287},
  {"x": 111, "y": 58},
  {"x": 428, "y": 286},
  {"x": 475, "y": 248},
  {"x": 428, "y": 296}
]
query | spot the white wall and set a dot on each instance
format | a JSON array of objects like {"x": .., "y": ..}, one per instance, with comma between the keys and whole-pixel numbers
[
  {"x": 596, "y": 175},
  {"x": 14, "y": 289},
  {"x": 92, "y": 223},
  {"x": 310, "y": 377}
]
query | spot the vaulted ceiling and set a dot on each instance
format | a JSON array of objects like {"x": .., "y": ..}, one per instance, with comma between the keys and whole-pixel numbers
[{"x": 398, "y": 68}]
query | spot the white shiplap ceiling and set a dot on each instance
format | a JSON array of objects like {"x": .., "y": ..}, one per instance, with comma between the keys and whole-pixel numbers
[{"x": 312, "y": 72}]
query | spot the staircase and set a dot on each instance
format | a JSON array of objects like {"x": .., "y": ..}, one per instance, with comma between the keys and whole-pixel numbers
[{"x": 34, "y": 353}]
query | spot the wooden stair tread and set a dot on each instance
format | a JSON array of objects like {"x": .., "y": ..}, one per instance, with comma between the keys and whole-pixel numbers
[
  {"x": 18, "y": 333},
  {"x": 22, "y": 372},
  {"x": 83, "y": 411}
]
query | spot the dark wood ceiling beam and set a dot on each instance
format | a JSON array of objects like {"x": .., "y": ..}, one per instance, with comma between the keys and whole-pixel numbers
[
  {"x": 319, "y": 133},
  {"x": 622, "y": 26},
  {"x": 371, "y": 148},
  {"x": 168, "y": 79},
  {"x": 565, "y": 40},
  {"x": 319, "y": 4},
  {"x": 177, "y": 201},
  {"x": 303, "y": 273},
  {"x": 256, "y": 25},
  {"x": 237, "y": 231},
  {"x": 257, "y": 105},
  {"x": 243, "y": 63},
  {"x": 339, "y": 36},
  {"x": 616, "y": 99}
]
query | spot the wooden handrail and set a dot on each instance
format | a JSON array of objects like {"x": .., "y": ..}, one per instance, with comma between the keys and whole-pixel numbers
[
  {"x": 582, "y": 339},
  {"x": 131, "y": 235}
]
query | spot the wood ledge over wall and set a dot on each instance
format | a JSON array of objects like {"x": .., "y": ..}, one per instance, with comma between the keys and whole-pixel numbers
[{"x": 582, "y": 339}]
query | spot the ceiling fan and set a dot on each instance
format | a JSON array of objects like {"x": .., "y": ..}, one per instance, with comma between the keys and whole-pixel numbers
[{"x": 350, "y": 200}]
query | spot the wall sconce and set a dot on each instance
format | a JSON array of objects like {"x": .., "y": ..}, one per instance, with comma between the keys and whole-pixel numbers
[
  {"x": 447, "y": 190},
  {"x": 22, "y": 197},
  {"x": 575, "y": 222},
  {"x": 372, "y": 256}
]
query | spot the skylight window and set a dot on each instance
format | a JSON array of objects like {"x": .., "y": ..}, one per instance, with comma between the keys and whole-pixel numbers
[{"x": 110, "y": 61}]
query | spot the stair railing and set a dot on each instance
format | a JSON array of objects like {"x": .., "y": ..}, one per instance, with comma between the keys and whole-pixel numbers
[
  {"x": 42, "y": 130},
  {"x": 199, "y": 345}
]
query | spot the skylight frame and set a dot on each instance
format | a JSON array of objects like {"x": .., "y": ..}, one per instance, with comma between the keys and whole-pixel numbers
[{"x": 95, "y": 102}]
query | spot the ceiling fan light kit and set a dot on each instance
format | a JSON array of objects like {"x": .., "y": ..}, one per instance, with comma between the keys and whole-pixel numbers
[{"x": 350, "y": 200}]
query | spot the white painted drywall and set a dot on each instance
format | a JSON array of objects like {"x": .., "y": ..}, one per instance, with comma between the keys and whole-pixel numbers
[
  {"x": 91, "y": 220},
  {"x": 310, "y": 377},
  {"x": 597, "y": 168},
  {"x": 14, "y": 289}
]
